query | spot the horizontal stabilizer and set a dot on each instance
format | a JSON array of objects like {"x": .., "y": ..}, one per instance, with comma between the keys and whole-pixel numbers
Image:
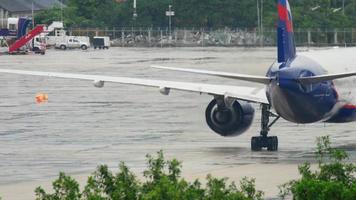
[
  {"x": 329, "y": 77},
  {"x": 243, "y": 77}
]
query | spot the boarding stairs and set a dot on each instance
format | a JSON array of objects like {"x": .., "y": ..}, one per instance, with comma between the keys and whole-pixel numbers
[
  {"x": 26, "y": 38},
  {"x": 52, "y": 27}
]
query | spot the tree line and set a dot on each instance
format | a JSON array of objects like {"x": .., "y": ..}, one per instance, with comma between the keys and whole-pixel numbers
[{"x": 199, "y": 13}]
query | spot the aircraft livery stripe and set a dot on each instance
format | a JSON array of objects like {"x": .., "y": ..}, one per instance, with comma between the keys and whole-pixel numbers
[
  {"x": 285, "y": 17},
  {"x": 283, "y": 2},
  {"x": 350, "y": 106}
]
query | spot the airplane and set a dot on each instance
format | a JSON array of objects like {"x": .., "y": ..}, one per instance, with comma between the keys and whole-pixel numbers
[{"x": 297, "y": 88}]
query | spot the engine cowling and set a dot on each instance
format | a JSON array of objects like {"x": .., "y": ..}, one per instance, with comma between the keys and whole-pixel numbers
[{"x": 229, "y": 121}]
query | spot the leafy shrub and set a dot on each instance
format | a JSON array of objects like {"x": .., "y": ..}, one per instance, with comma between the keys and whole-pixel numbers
[
  {"x": 64, "y": 187},
  {"x": 162, "y": 182},
  {"x": 334, "y": 179}
]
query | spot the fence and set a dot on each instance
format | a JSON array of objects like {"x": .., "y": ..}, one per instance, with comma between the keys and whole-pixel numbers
[{"x": 160, "y": 37}]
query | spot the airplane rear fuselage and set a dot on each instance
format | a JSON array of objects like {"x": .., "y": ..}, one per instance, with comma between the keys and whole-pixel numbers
[{"x": 304, "y": 103}]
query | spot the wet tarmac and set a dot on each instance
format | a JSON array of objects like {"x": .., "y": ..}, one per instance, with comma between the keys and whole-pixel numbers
[{"x": 82, "y": 126}]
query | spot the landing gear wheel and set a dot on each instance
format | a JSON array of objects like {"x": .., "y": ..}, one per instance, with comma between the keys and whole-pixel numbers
[
  {"x": 272, "y": 143},
  {"x": 263, "y": 141},
  {"x": 256, "y": 144},
  {"x": 259, "y": 142}
]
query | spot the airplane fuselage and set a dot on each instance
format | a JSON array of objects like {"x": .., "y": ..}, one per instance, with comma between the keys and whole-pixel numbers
[{"x": 305, "y": 103}]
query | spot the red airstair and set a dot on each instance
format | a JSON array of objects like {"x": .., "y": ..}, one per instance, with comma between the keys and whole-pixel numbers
[{"x": 26, "y": 38}]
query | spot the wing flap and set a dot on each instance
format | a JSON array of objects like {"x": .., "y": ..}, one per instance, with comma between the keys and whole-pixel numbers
[
  {"x": 256, "y": 95},
  {"x": 243, "y": 77}
]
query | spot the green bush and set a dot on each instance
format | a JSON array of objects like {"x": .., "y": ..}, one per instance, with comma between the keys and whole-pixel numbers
[
  {"x": 162, "y": 182},
  {"x": 334, "y": 178}
]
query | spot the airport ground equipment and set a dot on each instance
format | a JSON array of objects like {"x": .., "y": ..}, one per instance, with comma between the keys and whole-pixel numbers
[
  {"x": 101, "y": 42},
  {"x": 52, "y": 27},
  {"x": 26, "y": 38},
  {"x": 15, "y": 27},
  {"x": 71, "y": 42},
  {"x": 39, "y": 45},
  {"x": 17, "y": 39}
]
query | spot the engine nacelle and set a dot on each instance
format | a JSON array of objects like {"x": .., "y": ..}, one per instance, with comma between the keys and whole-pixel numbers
[{"x": 229, "y": 121}]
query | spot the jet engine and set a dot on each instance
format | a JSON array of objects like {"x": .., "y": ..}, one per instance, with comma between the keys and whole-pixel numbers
[{"x": 229, "y": 120}]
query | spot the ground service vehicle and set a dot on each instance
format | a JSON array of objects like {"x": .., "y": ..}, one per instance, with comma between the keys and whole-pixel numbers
[
  {"x": 39, "y": 45},
  {"x": 101, "y": 42},
  {"x": 72, "y": 42}
]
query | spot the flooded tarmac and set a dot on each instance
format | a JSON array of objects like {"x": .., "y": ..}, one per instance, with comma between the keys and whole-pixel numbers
[{"x": 82, "y": 126}]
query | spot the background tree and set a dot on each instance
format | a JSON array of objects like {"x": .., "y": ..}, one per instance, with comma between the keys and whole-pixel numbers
[{"x": 324, "y": 14}]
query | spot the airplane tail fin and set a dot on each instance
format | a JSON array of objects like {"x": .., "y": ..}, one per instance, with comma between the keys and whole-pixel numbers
[{"x": 286, "y": 44}]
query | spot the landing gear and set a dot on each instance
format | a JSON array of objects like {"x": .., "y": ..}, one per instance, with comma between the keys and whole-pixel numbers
[{"x": 263, "y": 141}]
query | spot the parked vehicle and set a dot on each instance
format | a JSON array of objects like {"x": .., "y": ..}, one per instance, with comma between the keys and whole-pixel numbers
[
  {"x": 101, "y": 42},
  {"x": 39, "y": 45},
  {"x": 71, "y": 42}
]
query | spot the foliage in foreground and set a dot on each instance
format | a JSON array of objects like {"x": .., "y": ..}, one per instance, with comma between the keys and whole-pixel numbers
[
  {"x": 334, "y": 178},
  {"x": 162, "y": 182}
]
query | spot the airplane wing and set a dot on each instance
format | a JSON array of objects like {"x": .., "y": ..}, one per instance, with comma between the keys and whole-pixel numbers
[
  {"x": 250, "y": 94},
  {"x": 243, "y": 77}
]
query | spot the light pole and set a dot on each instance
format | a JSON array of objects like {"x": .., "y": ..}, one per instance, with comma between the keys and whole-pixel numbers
[
  {"x": 260, "y": 20},
  {"x": 343, "y": 7},
  {"x": 262, "y": 34},
  {"x": 134, "y": 15},
  {"x": 135, "y": 11},
  {"x": 62, "y": 11},
  {"x": 258, "y": 17},
  {"x": 169, "y": 14},
  {"x": 33, "y": 16}
]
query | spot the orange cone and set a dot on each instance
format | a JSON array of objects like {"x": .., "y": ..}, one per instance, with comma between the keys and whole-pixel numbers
[{"x": 41, "y": 98}]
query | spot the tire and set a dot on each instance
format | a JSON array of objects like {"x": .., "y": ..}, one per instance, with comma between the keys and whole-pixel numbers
[
  {"x": 63, "y": 47},
  {"x": 272, "y": 143},
  {"x": 84, "y": 47},
  {"x": 94, "y": 47},
  {"x": 256, "y": 144}
]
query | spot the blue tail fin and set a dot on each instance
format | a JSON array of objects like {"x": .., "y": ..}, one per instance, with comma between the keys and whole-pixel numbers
[{"x": 286, "y": 45}]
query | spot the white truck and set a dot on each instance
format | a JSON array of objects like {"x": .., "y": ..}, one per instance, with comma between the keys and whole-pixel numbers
[
  {"x": 39, "y": 45},
  {"x": 71, "y": 42}
]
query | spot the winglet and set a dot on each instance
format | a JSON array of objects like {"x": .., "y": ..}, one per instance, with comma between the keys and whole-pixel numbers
[{"x": 286, "y": 44}]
